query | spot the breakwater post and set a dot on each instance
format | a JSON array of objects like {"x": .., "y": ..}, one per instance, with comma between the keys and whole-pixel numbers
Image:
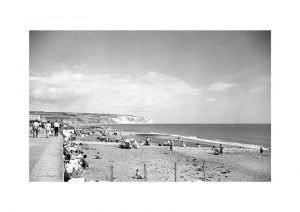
[
  {"x": 204, "y": 170},
  {"x": 111, "y": 173},
  {"x": 145, "y": 172},
  {"x": 175, "y": 169}
]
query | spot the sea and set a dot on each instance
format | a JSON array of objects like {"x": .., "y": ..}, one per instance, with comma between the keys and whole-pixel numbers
[{"x": 253, "y": 134}]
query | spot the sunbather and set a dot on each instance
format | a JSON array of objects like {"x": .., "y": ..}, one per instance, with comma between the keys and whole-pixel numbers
[{"x": 138, "y": 175}]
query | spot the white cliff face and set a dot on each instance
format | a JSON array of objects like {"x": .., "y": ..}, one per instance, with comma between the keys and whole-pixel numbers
[
  {"x": 130, "y": 120},
  {"x": 94, "y": 118}
]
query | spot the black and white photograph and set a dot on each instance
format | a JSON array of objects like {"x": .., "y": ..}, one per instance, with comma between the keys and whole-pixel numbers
[{"x": 150, "y": 106}]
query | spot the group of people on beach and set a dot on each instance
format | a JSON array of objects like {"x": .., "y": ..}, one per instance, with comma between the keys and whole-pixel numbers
[
  {"x": 133, "y": 143},
  {"x": 44, "y": 127},
  {"x": 75, "y": 161},
  {"x": 171, "y": 144},
  {"x": 217, "y": 151}
]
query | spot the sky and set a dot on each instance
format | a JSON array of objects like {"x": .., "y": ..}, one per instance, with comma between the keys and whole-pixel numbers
[{"x": 168, "y": 76}]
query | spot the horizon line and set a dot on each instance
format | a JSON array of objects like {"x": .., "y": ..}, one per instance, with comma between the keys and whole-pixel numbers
[{"x": 151, "y": 123}]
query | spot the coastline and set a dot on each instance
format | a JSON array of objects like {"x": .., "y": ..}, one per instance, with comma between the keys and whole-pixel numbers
[
  {"x": 245, "y": 135},
  {"x": 238, "y": 163},
  {"x": 208, "y": 141}
]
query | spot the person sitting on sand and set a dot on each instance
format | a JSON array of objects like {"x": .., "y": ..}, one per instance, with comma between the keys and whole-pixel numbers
[
  {"x": 213, "y": 148},
  {"x": 84, "y": 163},
  {"x": 183, "y": 144},
  {"x": 67, "y": 157},
  {"x": 216, "y": 151},
  {"x": 147, "y": 141},
  {"x": 135, "y": 144},
  {"x": 127, "y": 144},
  {"x": 138, "y": 175},
  {"x": 97, "y": 156}
]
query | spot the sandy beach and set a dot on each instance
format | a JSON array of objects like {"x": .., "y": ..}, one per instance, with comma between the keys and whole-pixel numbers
[{"x": 230, "y": 166}]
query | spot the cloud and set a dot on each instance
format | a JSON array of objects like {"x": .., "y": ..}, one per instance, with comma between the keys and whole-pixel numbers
[
  {"x": 107, "y": 93},
  {"x": 219, "y": 86},
  {"x": 257, "y": 89},
  {"x": 266, "y": 80},
  {"x": 211, "y": 99}
]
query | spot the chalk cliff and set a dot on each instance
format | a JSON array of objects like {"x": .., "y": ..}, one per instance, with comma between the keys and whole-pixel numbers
[{"x": 93, "y": 118}]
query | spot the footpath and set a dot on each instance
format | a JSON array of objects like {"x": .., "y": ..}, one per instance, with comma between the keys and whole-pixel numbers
[{"x": 46, "y": 159}]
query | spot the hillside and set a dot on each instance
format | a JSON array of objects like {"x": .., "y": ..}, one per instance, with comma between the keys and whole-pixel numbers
[{"x": 92, "y": 118}]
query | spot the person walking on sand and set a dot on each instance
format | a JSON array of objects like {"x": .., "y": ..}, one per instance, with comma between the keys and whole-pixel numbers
[
  {"x": 261, "y": 150},
  {"x": 56, "y": 126},
  {"x": 35, "y": 129},
  {"x": 168, "y": 143},
  {"x": 221, "y": 149},
  {"x": 48, "y": 129},
  {"x": 172, "y": 147},
  {"x": 42, "y": 127}
]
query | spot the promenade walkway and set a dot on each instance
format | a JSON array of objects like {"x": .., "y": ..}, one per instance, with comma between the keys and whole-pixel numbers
[{"x": 46, "y": 159}]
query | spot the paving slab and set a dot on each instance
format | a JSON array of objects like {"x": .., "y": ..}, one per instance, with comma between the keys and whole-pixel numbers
[{"x": 46, "y": 159}]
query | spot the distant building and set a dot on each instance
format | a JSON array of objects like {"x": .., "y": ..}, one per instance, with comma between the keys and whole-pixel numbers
[
  {"x": 43, "y": 119},
  {"x": 34, "y": 117}
]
